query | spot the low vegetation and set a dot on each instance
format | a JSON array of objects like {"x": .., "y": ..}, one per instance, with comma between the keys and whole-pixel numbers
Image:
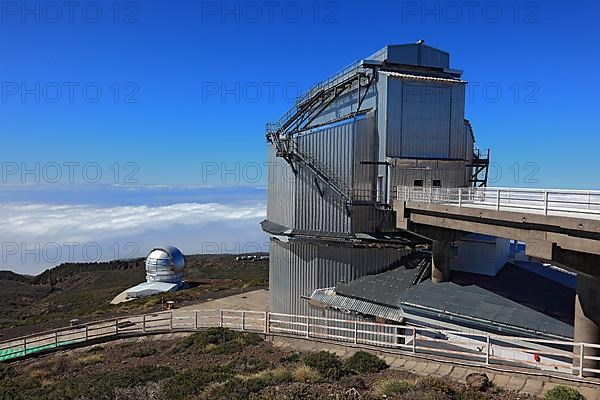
[
  {"x": 218, "y": 364},
  {"x": 218, "y": 341},
  {"x": 563, "y": 393},
  {"x": 365, "y": 363}
]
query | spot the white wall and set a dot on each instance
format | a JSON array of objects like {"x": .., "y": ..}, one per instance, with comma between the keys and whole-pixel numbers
[{"x": 480, "y": 255}]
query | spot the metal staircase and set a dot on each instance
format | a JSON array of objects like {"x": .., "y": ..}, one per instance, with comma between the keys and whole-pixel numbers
[
  {"x": 480, "y": 165},
  {"x": 306, "y": 110},
  {"x": 324, "y": 173}
]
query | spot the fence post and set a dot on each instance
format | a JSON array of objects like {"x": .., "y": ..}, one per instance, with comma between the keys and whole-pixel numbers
[
  {"x": 267, "y": 318},
  {"x": 171, "y": 321},
  {"x": 144, "y": 323},
  {"x": 221, "y": 318},
  {"x": 307, "y": 326},
  {"x": 56, "y": 339},
  {"x": 195, "y": 320},
  {"x": 589, "y": 198},
  {"x": 487, "y": 350},
  {"x": 581, "y": 355},
  {"x": 414, "y": 340},
  {"x": 86, "y": 333},
  {"x": 24, "y": 346},
  {"x": 116, "y": 326},
  {"x": 460, "y": 197},
  {"x": 243, "y": 320},
  {"x": 355, "y": 332},
  {"x": 545, "y": 203},
  {"x": 498, "y": 200}
]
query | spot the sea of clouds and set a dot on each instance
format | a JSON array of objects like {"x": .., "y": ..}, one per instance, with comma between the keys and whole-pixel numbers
[{"x": 44, "y": 227}]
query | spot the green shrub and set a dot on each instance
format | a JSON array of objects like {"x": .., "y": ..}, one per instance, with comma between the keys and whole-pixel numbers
[
  {"x": 563, "y": 393},
  {"x": 218, "y": 341},
  {"x": 6, "y": 371},
  {"x": 89, "y": 359},
  {"x": 99, "y": 387},
  {"x": 242, "y": 388},
  {"x": 353, "y": 381},
  {"x": 96, "y": 349},
  {"x": 193, "y": 382},
  {"x": 274, "y": 377},
  {"x": 145, "y": 351},
  {"x": 365, "y": 363},
  {"x": 435, "y": 384},
  {"x": 233, "y": 389},
  {"x": 306, "y": 374},
  {"x": 106, "y": 383},
  {"x": 290, "y": 358},
  {"x": 470, "y": 394},
  {"x": 392, "y": 387},
  {"x": 249, "y": 365},
  {"x": 325, "y": 363}
]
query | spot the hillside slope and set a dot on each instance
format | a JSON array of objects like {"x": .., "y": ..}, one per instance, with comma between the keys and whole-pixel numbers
[{"x": 84, "y": 290}]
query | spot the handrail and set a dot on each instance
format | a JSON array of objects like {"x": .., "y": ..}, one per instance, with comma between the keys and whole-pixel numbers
[
  {"x": 558, "y": 202},
  {"x": 479, "y": 347}
]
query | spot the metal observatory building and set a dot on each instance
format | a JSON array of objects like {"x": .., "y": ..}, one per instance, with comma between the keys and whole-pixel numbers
[{"x": 394, "y": 119}]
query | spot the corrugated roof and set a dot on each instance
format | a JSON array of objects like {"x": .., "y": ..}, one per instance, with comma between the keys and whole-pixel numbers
[
  {"x": 478, "y": 304},
  {"x": 388, "y": 287},
  {"x": 421, "y": 77},
  {"x": 330, "y": 298},
  {"x": 514, "y": 298}
]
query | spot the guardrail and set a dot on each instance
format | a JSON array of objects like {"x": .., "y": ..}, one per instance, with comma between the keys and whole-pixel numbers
[
  {"x": 572, "y": 203},
  {"x": 480, "y": 348}
]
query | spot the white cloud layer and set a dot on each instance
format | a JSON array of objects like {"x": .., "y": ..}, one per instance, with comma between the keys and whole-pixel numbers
[{"x": 37, "y": 236}]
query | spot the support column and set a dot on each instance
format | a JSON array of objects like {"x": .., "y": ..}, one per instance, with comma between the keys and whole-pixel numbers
[
  {"x": 440, "y": 265},
  {"x": 587, "y": 321}
]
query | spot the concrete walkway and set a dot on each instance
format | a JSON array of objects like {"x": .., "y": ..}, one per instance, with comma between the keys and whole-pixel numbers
[
  {"x": 527, "y": 381},
  {"x": 257, "y": 300}
]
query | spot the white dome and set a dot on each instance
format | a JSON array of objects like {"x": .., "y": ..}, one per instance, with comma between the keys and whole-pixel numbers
[{"x": 165, "y": 264}]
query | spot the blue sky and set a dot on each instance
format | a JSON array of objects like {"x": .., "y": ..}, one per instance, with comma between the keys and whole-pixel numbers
[
  {"x": 205, "y": 76},
  {"x": 121, "y": 113}
]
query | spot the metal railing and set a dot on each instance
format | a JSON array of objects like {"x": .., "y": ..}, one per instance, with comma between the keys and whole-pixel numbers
[
  {"x": 557, "y": 202},
  {"x": 553, "y": 356}
]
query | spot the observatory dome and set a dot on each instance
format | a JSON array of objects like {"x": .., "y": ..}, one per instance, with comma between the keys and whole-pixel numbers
[{"x": 165, "y": 264}]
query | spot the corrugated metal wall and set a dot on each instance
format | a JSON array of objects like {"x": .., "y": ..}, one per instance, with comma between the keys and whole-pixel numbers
[
  {"x": 365, "y": 150},
  {"x": 332, "y": 147},
  {"x": 281, "y": 194},
  {"x": 424, "y": 119},
  {"x": 298, "y": 268},
  {"x": 346, "y": 104},
  {"x": 418, "y": 55},
  {"x": 304, "y": 202},
  {"x": 458, "y": 138}
]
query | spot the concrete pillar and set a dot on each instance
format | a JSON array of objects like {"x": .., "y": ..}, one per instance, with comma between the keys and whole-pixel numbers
[
  {"x": 440, "y": 265},
  {"x": 587, "y": 321}
]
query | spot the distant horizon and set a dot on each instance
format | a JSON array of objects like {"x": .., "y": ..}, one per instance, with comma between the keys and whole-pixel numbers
[{"x": 115, "y": 224}]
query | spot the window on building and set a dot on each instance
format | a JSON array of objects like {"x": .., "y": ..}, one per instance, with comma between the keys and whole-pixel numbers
[
  {"x": 436, "y": 183},
  {"x": 418, "y": 183}
]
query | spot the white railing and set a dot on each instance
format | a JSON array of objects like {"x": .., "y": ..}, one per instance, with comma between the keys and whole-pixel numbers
[
  {"x": 556, "y": 202},
  {"x": 552, "y": 356}
]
